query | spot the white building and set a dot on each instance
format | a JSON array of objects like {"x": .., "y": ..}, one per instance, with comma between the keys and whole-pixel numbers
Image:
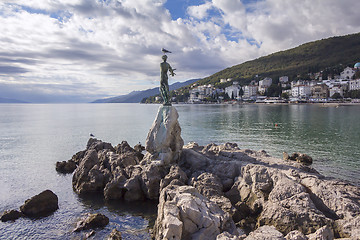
[
  {"x": 264, "y": 84},
  {"x": 348, "y": 73},
  {"x": 283, "y": 79},
  {"x": 354, "y": 84},
  {"x": 301, "y": 91},
  {"x": 199, "y": 93},
  {"x": 233, "y": 91},
  {"x": 337, "y": 89},
  {"x": 250, "y": 91}
]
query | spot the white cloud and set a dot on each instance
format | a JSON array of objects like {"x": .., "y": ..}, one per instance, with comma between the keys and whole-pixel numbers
[
  {"x": 200, "y": 11},
  {"x": 113, "y": 47}
]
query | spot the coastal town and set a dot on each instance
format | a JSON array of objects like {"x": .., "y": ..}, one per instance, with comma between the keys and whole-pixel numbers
[{"x": 320, "y": 87}]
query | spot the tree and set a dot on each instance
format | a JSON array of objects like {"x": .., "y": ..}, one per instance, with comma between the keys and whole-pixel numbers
[
  {"x": 273, "y": 91},
  {"x": 285, "y": 95}
]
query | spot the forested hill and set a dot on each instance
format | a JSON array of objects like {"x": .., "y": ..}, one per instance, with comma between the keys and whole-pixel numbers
[{"x": 335, "y": 52}]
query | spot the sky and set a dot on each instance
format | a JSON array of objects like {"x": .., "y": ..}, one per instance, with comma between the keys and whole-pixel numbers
[{"x": 82, "y": 50}]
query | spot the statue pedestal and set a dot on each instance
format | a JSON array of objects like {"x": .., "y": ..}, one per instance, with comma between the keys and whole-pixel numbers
[{"x": 164, "y": 140}]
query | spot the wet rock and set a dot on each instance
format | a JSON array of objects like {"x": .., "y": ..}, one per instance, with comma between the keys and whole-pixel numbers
[
  {"x": 299, "y": 157},
  {"x": 183, "y": 213},
  {"x": 93, "y": 221},
  {"x": 164, "y": 138},
  {"x": 40, "y": 205},
  {"x": 115, "y": 189},
  {"x": 133, "y": 189},
  {"x": 11, "y": 215},
  {"x": 115, "y": 235},
  {"x": 66, "y": 166}
]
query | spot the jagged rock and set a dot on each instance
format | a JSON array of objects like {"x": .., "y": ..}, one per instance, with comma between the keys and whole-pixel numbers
[
  {"x": 259, "y": 190},
  {"x": 265, "y": 233},
  {"x": 81, "y": 178},
  {"x": 93, "y": 221},
  {"x": 11, "y": 215},
  {"x": 339, "y": 201},
  {"x": 133, "y": 189},
  {"x": 40, "y": 205},
  {"x": 299, "y": 157},
  {"x": 183, "y": 213},
  {"x": 207, "y": 184},
  {"x": 324, "y": 233},
  {"x": 164, "y": 138},
  {"x": 175, "y": 173},
  {"x": 228, "y": 236},
  {"x": 290, "y": 207},
  {"x": 78, "y": 156},
  {"x": 295, "y": 235},
  {"x": 115, "y": 189},
  {"x": 115, "y": 235},
  {"x": 151, "y": 176},
  {"x": 66, "y": 166},
  {"x": 98, "y": 145}
]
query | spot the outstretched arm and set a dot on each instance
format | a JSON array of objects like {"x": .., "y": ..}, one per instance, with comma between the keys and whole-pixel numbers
[{"x": 172, "y": 70}]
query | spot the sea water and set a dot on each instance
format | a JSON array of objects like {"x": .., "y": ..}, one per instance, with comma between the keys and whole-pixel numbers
[{"x": 33, "y": 137}]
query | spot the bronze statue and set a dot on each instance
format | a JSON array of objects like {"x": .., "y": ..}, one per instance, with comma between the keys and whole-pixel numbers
[{"x": 164, "y": 85}]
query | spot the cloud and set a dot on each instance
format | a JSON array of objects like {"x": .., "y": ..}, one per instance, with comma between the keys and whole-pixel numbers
[
  {"x": 199, "y": 11},
  {"x": 90, "y": 48}
]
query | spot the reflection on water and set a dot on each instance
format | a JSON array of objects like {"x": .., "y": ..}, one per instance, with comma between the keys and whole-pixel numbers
[{"x": 33, "y": 137}]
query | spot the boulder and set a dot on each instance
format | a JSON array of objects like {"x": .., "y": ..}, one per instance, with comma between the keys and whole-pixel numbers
[
  {"x": 265, "y": 233},
  {"x": 164, "y": 138},
  {"x": 175, "y": 173},
  {"x": 324, "y": 233},
  {"x": 115, "y": 189},
  {"x": 66, "y": 166},
  {"x": 207, "y": 184},
  {"x": 133, "y": 189},
  {"x": 40, "y": 205},
  {"x": 114, "y": 235},
  {"x": 295, "y": 235},
  {"x": 228, "y": 236},
  {"x": 299, "y": 157},
  {"x": 183, "y": 213},
  {"x": 151, "y": 176},
  {"x": 290, "y": 207},
  {"x": 92, "y": 221},
  {"x": 11, "y": 215}
]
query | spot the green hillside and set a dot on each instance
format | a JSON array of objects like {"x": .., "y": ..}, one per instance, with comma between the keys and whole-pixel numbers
[{"x": 326, "y": 54}]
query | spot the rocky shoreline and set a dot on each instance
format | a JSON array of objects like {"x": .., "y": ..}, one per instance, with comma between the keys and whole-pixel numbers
[
  {"x": 223, "y": 192},
  {"x": 213, "y": 192}
]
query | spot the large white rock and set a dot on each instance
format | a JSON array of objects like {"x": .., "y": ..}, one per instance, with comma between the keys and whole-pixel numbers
[
  {"x": 183, "y": 213},
  {"x": 164, "y": 140}
]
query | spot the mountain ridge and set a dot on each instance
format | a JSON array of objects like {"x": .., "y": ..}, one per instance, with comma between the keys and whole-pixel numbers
[{"x": 137, "y": 96}]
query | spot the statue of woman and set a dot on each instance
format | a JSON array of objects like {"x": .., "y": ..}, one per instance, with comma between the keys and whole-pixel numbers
[{"x": 164, "y": 85}]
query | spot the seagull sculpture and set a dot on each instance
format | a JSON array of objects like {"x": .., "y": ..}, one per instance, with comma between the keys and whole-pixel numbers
[{"x": 165, "y": 51}]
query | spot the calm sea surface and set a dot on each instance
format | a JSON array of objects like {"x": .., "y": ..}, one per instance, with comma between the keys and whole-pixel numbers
[{"x": 33, "y": 137}]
